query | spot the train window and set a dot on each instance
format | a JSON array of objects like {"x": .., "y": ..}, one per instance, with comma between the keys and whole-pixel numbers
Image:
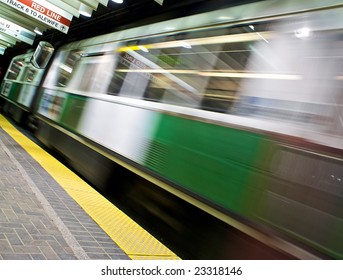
[
  {"x": 14, "y": 70},
  {"x": 96, "y": 72},
  {"x": 30, "y": 74},
  {"x": 289, "y": 83},
  {"x": 64, "y": 67},
  {"x": 129, "y": 78},
  {"x": 223, "y": 81},
  {"x": 195, "y": 69}
]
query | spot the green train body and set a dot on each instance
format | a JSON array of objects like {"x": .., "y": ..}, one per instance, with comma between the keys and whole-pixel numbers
[{"x": 235, "y": 116}]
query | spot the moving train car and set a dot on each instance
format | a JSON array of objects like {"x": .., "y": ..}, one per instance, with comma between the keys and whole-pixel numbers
[
  {"x": 238, "y": 111},
  {"x": 19, "y": 86}
]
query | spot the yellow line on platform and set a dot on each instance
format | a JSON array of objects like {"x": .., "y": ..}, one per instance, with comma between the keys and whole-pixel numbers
[{"x": 136, "y": 242}]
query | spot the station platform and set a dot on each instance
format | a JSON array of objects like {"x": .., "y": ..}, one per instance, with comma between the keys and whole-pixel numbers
[{"x": 47, "y": 212}]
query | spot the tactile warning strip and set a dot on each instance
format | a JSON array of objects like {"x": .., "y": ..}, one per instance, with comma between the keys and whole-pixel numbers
[{"x": 135, "y": 241}]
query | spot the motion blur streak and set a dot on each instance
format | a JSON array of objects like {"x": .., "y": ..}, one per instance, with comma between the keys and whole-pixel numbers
[{"x": 237, "y": 109}]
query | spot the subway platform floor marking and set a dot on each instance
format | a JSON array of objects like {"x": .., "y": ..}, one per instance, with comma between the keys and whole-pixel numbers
[{"x": 135, "y": 241}]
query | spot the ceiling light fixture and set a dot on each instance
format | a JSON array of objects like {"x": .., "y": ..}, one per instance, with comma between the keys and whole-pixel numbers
[
  {"x": 225, "y": 18},
  {"x": 118, "y": 1},
  {"x": 38, "y": 31},
  {"x": 303, "y": 32},
  {"x": 85, "y": 10}
]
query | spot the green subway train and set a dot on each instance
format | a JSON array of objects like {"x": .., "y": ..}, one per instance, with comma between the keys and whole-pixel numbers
[{"x": 238, "y": 111}]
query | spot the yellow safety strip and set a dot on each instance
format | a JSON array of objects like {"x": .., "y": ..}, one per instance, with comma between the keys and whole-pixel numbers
[{"x": 135, "y": 241}]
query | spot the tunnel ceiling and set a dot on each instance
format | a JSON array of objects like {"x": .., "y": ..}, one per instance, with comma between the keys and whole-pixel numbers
[{"x": 63, "y": 20}]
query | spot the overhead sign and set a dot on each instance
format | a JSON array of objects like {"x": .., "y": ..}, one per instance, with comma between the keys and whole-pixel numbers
[
  {"x": 16, "y": 31},
  {"x": 44, "y": 12}
]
